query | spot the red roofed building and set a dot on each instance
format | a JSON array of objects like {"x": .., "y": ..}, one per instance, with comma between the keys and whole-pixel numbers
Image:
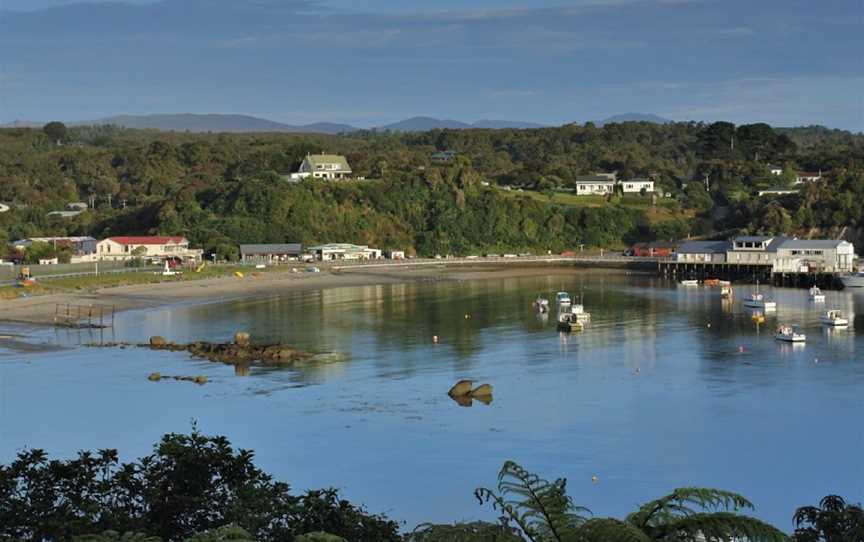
[{"x": 159, "y": 247}]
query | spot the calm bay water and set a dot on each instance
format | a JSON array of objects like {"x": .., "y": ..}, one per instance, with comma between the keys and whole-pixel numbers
[{"x": 655, "y": 394}]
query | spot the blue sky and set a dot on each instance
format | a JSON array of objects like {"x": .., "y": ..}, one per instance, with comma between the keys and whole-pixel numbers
[{"x": 789, "y": 62}]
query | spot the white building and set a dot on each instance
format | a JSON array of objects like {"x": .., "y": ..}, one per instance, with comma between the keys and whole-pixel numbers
[
  {"x": 702, "y": 252},
  {"x": 775, "y": 170},
  {"x": 815, "y": 255},
  {"x": 636, "y": 185},
  {"x": 150, "y": 247},
  {"x": 4, "y": 208},
  {"x": 591, "y": 185},
  {"x": 344, "y": 251},
  {"x": 753, "y": 249},
  {"x": 323, "y": 166},
  {"x": 808, "y": 177}
]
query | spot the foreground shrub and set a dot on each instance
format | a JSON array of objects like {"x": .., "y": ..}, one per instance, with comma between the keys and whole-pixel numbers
[{"x": 190, "y": 484}]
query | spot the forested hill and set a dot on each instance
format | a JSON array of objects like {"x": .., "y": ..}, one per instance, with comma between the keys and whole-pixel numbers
[{"x": 221, "y": 189}]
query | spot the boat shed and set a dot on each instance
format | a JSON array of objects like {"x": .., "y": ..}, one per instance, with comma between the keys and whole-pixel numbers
[
  {"x": 702, "y": 252},
  {"x": 270, "y": 253}
]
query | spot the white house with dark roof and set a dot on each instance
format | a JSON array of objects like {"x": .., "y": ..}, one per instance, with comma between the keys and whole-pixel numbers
[
  {"x": 808, "y": 177},
  {"x": 323, "y": 166},
  {"x": 775, "y": 169},
  {"x": 595, "y": 185},
  {"x": 812, "y": 255}
]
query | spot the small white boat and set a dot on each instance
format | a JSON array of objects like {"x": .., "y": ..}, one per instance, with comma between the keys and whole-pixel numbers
[
  {"x": 816, "y": 295},
  {"x": 726, "y": 292},
  {"x": 834, "y": 318},
  {"x": 563, "y": 298},
  {"x": 757, "y": 300},
  {"x": 541, "y": 304},
  {"x": 568, "y": 322},
  {"x": 579, "y": 314},
  {"x": 789, "y": 334},
  {"x": 855, "y": 280},
  {"x": 690, "y": 282}
]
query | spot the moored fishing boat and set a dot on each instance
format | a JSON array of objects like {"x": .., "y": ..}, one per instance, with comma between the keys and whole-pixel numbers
[
  {"x": 711, "y": 282},
  {"x": 789, "y": 334},
  {"x": 563, "y": 298},
  {"x": 726, "y": 292},
  {"x": 834, "y": 318},
  {"x": 816, "y": 295},
  {"x": 689, "y": 282},
  {"x": 757, "y": 300},
  {"x": 568, "y": 322}
]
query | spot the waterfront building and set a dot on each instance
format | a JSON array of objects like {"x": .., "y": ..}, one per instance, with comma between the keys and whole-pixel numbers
[
  {"x": 753, "y": 249},
  {"x": 702, "y": 252},
  {"x": 814, "y": 256},
  {"x": 149, "y": 247},
  {"x": 80, "y": 245},
  {"x": 270, "y": 253},
  {"x": 655, "y": 249},
  {"x": 344, "y": 251}
]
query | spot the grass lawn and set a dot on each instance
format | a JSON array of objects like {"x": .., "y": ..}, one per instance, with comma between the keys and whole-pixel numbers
[{"x": 655, "y": 213}]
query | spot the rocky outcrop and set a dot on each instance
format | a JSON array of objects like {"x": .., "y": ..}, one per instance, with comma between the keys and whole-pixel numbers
[
  {"x": 156, "y": 377},
  {"x": 461, "y": 388}
]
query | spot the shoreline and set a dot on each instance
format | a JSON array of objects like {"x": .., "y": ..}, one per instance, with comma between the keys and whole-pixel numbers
[{"x": 40, "y": 310}]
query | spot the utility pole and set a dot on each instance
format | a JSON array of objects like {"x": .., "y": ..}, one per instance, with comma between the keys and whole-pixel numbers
[
  {"x": 707, "y": 186},
  {"x": 123, "y": 202},
  {"x": 109, "y": 200}
]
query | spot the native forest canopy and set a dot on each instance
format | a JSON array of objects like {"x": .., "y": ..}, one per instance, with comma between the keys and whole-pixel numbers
[{"x": 505, "y": 190}]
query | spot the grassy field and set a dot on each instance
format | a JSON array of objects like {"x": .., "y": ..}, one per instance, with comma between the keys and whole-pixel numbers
[
  {"x": 89, "y": 283},
  {"x": 664, "y": 210}
]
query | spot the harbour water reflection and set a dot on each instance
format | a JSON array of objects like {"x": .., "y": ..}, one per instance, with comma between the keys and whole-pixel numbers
[{"x": 666, "y": 387}]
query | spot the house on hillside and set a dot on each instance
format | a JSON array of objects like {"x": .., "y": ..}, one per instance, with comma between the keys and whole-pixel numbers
[
  {"x": 323, "y": 166},
  {"x": 775, "y": 169},
  {"x": 702, "y": 252},
  {"x": 808, "y": 177},
  {"x": 156, "y": 247},
  {"x": 444, "y": 156},
  {"x": 636, "y": 185},
  {"x": 778, "y": 192},
  {"x": 594, "y": 185},
  {"x": 814, "y": 255},
  {"x": 270, "y": 253},
  {"x": 4, "y": 208}
]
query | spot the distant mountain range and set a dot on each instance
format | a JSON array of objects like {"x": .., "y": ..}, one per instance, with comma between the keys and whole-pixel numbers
[
  {"x": 633, "y": 117},
  {"x": 189, "y": 122},
  {"x": 423, "y": 124}
]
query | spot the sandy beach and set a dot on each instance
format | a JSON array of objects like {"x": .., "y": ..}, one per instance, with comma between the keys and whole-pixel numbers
[{"x": 40, "y": 310}]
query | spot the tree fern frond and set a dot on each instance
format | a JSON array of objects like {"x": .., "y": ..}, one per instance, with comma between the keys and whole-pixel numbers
[
  {"x": 478, "y": 531},
  {"x": 680, "y": 503},
  {"x": 610, "y": 530},
  {"x": 541, "y": 509},
  {"x": 720, "y": 527}
]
